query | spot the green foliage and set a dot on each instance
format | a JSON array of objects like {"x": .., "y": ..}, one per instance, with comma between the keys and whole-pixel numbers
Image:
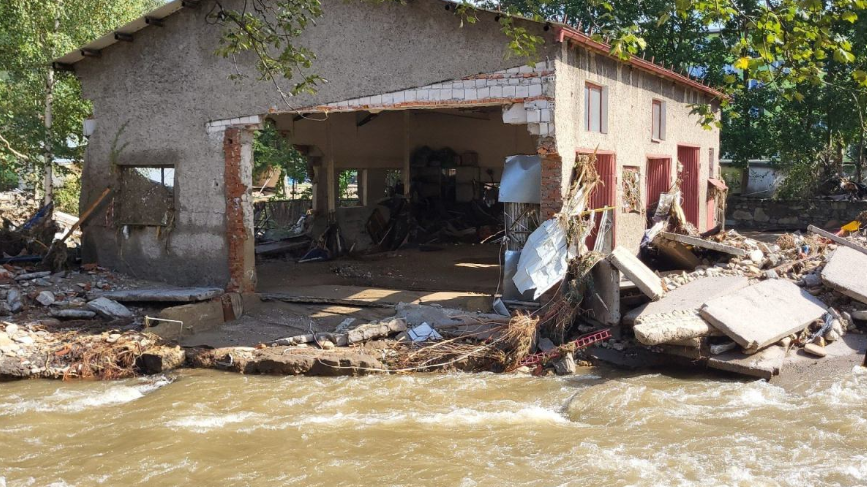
[
  {"x": 272, "y": 150},
  {"x": 32, "y": 34},
  {"x": 66, "y": 197}
]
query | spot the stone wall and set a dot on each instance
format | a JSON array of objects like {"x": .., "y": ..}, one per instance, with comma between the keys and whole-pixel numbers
[{"x": 766, "y": 214}]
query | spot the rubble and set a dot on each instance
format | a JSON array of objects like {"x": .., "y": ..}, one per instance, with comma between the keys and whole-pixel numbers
[{"x": 838, "y": 273}]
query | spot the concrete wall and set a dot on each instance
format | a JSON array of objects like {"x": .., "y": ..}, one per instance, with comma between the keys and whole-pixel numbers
[
  {"x": 767, "y": 214},
  {"x": 630, "y": 96},
  {"x": 165, "y": 87}
]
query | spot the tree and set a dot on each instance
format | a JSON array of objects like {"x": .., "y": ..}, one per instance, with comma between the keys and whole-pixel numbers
[{"x": 41, "y": 112}]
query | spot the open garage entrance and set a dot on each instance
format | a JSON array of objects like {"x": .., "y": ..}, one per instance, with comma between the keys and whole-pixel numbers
[{"x": 397, "y": 200}]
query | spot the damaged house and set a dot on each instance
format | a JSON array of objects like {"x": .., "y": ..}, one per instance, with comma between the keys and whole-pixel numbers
[{"x": 414, "y": 102}]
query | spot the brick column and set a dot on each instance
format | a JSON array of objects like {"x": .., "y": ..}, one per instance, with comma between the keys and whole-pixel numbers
[
  {"x": 237, "y": 145},
  {"x": 552, "y": 184}
]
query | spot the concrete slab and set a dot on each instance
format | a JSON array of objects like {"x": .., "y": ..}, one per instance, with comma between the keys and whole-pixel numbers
[
  {"x": 687, "y": 297},
  {"x": 648, "y": 282},
  {"x": 705, "y": 244},
  {"x": 672, "y": 327},
  {"x": 762, "y": 314},
  {"x": 764, "y": 364},
  {"x": 162, "y": 295},
  {"x": 845, "y": 273},
  {"x": 604, "y": 298}
]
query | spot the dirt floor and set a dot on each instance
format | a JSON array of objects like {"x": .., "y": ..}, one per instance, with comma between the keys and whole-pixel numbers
[
  {"x": 458, "y": 276},
  {"x": 464, "y": 268}
]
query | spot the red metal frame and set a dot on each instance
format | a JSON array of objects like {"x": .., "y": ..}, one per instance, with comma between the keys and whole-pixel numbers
[
  {"x": 583, "y": 341},
  {"x": 690, "y": 158},
  {"x": 658, "y": 179},
  {"x": 605, "y": 195}
]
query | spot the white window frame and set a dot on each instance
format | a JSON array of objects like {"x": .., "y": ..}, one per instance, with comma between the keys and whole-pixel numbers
[
  {"x": 654, "y": 122},
  {"x": 603, "y": 107}
]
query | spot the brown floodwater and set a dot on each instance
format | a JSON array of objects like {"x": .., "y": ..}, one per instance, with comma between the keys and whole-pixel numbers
[{"x": 597, "y": 428}]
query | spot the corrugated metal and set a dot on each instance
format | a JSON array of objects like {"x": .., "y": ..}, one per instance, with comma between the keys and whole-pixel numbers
[
  {"x": 689, "y": 157},
  {"x": 658, "y": 180},
  {"x": 605, "y": 194}
]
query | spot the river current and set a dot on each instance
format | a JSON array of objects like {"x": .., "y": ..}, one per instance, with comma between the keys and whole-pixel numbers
[{"x": 598, "y": 428}]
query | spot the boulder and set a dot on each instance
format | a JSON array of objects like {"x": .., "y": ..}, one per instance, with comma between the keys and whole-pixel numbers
[{"x": 110, "y": 309}]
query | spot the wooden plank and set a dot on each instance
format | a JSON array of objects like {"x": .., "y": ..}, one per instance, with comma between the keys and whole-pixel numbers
[
  {"x": 705, "y": 244},
  {"x": 838, "y": 240}
]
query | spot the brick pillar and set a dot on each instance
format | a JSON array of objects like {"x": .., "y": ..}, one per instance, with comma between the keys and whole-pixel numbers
[
  {"x": 237, "y": 145},
  {"x": 552, "y": 184}
]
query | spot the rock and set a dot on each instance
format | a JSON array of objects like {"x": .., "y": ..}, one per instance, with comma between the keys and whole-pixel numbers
[
  {"x": 11, "y": 329},
  {"x": 73, "y": 314},
  {"x": 545, "y": 345},
  {"x": 786, "y": 342},
  {"x": 812, "y": 280},
  {"x": 4, "y": 339},
  {"x": 566, "y": 365},
  {"x": 108, "y": 308},
  {"x": 9, "y": 349},
  {"x": 45, "y": 298},
  {"x": 113, "y": 338},
  {"x": 815, "y": 349},
  {"x": 832, "y": 336},
  {"x": 327, "y": 345},
  {"x": 756, "y": 255},
  {"x": 24, "y": 339},
  {"x": 722, "y": 348},
  {"x": 771, "y": 274},
  {"x": 859, "y": 315}
]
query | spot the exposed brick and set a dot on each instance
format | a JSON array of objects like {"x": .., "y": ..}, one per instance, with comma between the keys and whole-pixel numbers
[{"x": 236, "y": 233}]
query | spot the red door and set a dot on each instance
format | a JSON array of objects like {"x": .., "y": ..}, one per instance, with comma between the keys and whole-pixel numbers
[
  {"x": 604, "y": 194},
  {"x": 658, "y": 181},
  {"x": 689, "y": 158},
  {"x": 711, "y": 211}
]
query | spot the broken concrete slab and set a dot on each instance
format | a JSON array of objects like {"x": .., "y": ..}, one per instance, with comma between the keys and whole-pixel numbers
[
  {"x": 764, "y": 364},
  {"x": 690, "y": 296},
  {"x": 161, "y": 295},
  {"x": 845, "y": 273},
  {"x": 685, "y": 352},
  {"x": 838, "y": 240},
  {"x": 108, "y": 308},
  {"x": 762, "y": 314},
  {"x": 649, "y": 283},
  {"x": 161, "y": 360},
  {"x": 671, "y": 327},
  {"x": 705, "y": 244},
  {"x": 604, "y": 297},
  {"x": 196, "y": 318}
]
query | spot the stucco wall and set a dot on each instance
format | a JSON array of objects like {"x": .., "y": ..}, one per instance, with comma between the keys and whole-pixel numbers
[
  {"x": 630, "y": 96},
  {"x": 167, "y": 85}
]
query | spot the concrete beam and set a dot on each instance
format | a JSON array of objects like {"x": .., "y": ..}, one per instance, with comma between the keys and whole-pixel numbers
[{"x": 705, "y": 244}]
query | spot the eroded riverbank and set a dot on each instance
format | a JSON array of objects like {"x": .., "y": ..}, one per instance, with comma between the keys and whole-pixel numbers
[{"x": 600, "y": 427}]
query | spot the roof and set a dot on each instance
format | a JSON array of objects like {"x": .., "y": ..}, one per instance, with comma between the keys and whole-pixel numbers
[
  {"x": 563, "y": 33},
  {"x": 123, "y": 33}
]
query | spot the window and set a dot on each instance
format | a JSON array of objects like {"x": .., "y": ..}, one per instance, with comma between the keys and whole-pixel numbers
[
  {"x": 349, "y": 187},
  {"x": 711, "y": 163},
  {"x": 596, "y": 108},
  {"x": 658, "y": 120},
  {"x": 148, "y": 195}
]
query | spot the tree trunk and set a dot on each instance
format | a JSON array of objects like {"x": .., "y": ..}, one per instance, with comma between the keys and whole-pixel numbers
[
  {"x": 860, "y": 160},
  {"x": 49, "y": 119}
]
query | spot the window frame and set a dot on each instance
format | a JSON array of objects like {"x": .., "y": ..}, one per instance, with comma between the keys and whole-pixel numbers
[
  {"x": 588, "y": 88},
  {"x": 657, "y": 122}
]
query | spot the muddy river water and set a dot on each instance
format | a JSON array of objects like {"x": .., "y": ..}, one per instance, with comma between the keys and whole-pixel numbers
[{"x": 598, "y": 428}]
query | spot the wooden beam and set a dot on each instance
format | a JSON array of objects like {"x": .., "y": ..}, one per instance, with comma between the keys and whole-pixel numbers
[{"x": 838, "y": 240}]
